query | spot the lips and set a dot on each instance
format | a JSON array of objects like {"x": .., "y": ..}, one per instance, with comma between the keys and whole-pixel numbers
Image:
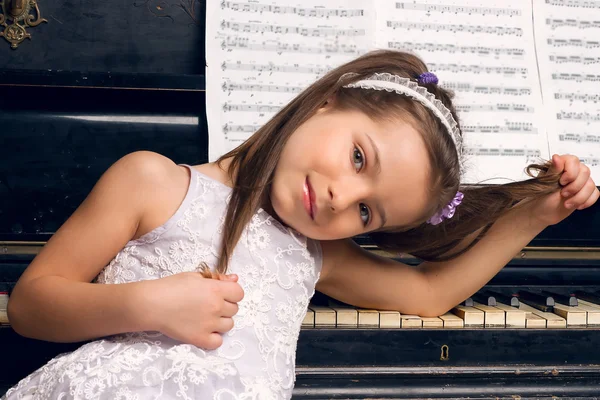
[{"x": 309, "y": 199}]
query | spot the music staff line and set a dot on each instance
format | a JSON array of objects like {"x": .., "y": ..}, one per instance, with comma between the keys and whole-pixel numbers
[
  {"x": 462, "y": 108},
  {"x": 577, "y": 97},
  {"x": 260, "y": 108},
  {"x": 482, "y": 151},
  {"x": 458, "y": 9},
  {"x": 574, "y": 60},
  {"x": 453, "y": 49},
  {"x": 578, "y": 116},
  {"x": 574, "y": 3},
  {"x": 578, "y": 138},
  {"x": 458, "y": 86},
  {"x": 478, "y": 69},
  {"x": 282, "y": 29},
  {"x": 511, "y": 127},
  {"x": 588, "y": 44},
  {"x": 279, "y": 47},
  {"x": 573, "y": 23},
  {"x": 272, "y": 67},
  {"x": 469, "y": 87},
  {"x": 232, "y": 87},
  {"x": 576, "y": 77},
  {"x": 495, "y": 30},
  {"x": 303, "y": 12}
]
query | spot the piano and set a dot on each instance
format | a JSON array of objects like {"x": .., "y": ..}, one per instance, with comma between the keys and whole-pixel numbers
[{"x": 99, "y": 80}]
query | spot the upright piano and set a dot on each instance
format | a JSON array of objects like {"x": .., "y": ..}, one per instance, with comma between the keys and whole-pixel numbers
[{"x": 99, "y": 80}]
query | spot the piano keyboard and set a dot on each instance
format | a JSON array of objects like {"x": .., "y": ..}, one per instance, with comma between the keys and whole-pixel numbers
[
  {"x": 542, "y": 310},
  {"x": 525, "y": 310}
]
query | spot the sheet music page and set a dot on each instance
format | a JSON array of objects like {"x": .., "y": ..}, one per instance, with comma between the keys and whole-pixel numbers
[
  {"x": 568, "y": 43},
  {"x": 262, "y": 53},
  {"x": 483, "y": 51}
]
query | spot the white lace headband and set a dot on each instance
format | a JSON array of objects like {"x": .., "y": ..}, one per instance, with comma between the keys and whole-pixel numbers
[{"x": 395, "y": 83}]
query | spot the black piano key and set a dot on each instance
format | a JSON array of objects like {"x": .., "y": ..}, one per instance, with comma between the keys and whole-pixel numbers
[
  {"x": 541, "y": 302},
  {"x": 567, "y": 300},
  {"x": 484, "y": 299},
  {"x": 512, "y": 301},
  {"x": 592, "y": 297}
]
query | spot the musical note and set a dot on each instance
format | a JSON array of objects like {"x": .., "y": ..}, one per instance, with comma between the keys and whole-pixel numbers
[
  {"x": 556, "y": 23},
  {"x": 282, "y": 29},
  {"x": 574, "y": 3},
  {"x": 579, "y": 138},
  {"x": 483, "y": 89},
  {"x": 262, "y": 53},
  {"x": 588, "y": 44},
  {"x": 271, "y": 67},
  {"x": 445, "y": 8},
  {"x": 584, "y": 97},
  {"x": 303, "y": 12},
  {"x": 483, "y": 52},
  {"x": 453, "y": 49},
  {"x": 576, "y": 77},
  {"x": 462, "y": 108},
  {"x": 281, "y": 47},
  {"x": 568, "y": 62},
  {"x": 494, "y": 30},
  {"x": 259, "y": 108},
  {"x": 510, "y": 127},
  {"x": 478, "y": 69},
  {"x": 574, "y": 59}
]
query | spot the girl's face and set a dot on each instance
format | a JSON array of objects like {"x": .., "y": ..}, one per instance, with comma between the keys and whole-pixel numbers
[{"x": 342, "y": 174}]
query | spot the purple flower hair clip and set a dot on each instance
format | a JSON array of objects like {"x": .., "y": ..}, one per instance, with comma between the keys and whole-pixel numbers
[
  {"x": 427, "y": 78},
  {"x": 448, "y": 211}
]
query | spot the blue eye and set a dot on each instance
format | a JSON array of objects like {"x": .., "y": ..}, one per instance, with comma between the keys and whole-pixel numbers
[
  {"x": 358, "y": 158},
  {"x": 365, "y": 213}
]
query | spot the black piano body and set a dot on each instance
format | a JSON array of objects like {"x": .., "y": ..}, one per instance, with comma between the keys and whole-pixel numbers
[{"x": 103, "y": 79}]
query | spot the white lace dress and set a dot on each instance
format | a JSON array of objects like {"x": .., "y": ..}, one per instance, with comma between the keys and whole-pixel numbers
[{"x": 277, "y": 268}]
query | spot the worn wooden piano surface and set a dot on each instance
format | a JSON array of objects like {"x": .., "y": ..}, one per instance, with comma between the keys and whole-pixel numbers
[{"x": 111, "y": 79}]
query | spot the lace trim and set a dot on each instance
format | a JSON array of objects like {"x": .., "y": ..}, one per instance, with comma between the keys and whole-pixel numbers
[{"x": 394, "y": 83}]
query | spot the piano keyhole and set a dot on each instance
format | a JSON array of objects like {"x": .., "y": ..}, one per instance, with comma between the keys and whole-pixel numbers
[{"x": 444, "y": 356}]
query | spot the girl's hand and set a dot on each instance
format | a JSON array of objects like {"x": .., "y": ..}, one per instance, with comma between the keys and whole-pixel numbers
[
  {"x": 578, "y": 191},
  {"x": 190, "y": 308}
]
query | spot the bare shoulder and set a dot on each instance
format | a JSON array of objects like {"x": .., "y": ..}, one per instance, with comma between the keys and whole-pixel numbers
[
  {"x": 139, "y": 192},
  {"x": 162, "y": 184}
]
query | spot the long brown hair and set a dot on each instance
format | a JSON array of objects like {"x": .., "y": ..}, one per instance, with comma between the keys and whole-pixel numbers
[{"x": 253, "y": 163}]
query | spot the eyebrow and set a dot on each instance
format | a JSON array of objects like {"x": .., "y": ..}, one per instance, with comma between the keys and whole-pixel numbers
[{"x": 377, "y": 166}]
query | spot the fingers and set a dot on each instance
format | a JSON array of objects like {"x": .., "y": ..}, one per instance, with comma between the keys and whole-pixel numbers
[
  {"x": 571, "y": 168},
  {"x": 232, "y": 292},
  {"x": 558, "y": 164},
  {"x": 212, "y": 342},
  {"x": 592, "y": 198},
  {"x": 229, "y": 309},
  {"x": 224, "y": 325},
  {"x": 229, "y": 277},
  {"x": 578, "y": 182},
  {"x": 581, "y": 197}
]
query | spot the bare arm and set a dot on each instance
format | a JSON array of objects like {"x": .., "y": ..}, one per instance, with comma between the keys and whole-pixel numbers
[
  {"x": 54, "y": 299},
  {"x": 358, "y": 277}
]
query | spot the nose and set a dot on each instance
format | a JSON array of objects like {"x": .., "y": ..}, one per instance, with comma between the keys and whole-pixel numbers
[{"x": 347, "y": 192}]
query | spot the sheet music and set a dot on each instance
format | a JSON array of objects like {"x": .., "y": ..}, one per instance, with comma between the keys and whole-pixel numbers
[
  {"x": 262, "y": 53},
  {"x": 568, "y": 44},
  {"x": 484, "y": 52}
]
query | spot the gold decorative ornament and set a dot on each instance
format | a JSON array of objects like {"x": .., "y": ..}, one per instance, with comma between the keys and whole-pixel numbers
[{"x": 15, "y": 17}]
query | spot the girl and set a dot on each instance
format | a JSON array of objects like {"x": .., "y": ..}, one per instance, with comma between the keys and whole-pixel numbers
[{"x": 373, "y": 147}]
